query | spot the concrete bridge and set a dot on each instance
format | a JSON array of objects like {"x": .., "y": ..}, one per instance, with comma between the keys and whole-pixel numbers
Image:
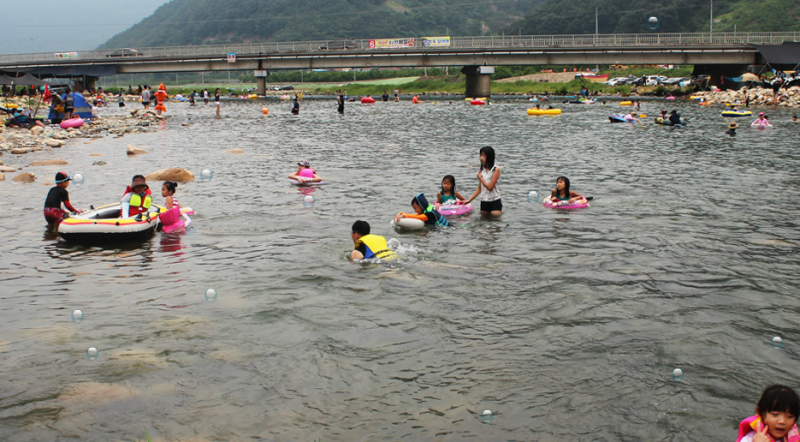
[{"x": 476, "y": 54}]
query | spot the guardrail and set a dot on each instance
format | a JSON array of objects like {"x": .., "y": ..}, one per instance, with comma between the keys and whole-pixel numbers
[{"x": 519, "y": 41}]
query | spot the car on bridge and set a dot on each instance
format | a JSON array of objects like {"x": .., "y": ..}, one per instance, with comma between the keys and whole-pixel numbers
[{"x": 124, "y": 52}]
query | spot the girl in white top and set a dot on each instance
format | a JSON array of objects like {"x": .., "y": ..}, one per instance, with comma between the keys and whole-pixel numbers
[{"x": 488, "y": 190}]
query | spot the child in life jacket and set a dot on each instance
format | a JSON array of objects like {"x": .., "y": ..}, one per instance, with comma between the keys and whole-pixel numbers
[
  {"x": 305, "y": 174},
  {"x": 137, "y": 198},
  {"x": 775, "y": 418},
  {"x": 58, "y": 195},
  {"x": 448, "y": 194},
  {"x": 368, "y": 246},
  {"x": 562, "y": 194},
  {"x": 424, "y": 212}
]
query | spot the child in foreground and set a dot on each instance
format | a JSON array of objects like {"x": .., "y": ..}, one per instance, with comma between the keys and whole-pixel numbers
[
  {"x": 775, "y": 418},
  {"x": 424, "y": 212},
  {"x": 55, "y": 197},
  {"x": 488, "y": 176},
  {"x": 448, "y": 194},
  {"x": 305, "y": 174},
  {"x": 368, "y": 246}
]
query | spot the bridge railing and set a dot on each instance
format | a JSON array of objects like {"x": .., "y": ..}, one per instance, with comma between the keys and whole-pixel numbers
[{"x": 511, "y": 41}]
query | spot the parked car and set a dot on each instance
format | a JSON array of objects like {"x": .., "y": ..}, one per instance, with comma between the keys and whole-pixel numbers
[
  {"x": 654, "y": 80},
  {"x": 675, "y": 80},
  {"x": 274, "y": 88},
  {"x": 124, "y": 52},
  {"x": 342, "y": 43},
  {"x": 617, "y": 81},
  {"x": 286, "y": 88}
]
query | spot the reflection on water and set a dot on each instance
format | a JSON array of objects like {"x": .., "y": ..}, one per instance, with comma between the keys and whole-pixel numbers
[{"x": 546, "y": 318}]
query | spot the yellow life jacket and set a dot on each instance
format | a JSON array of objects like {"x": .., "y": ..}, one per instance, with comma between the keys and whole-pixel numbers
[
  {"x": 138, "y": 205},
  {"x": 376, "y": 247}
]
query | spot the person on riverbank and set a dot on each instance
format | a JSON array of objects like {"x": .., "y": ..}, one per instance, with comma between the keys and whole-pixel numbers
[
  {"x": 146, "y": 97},
  {"x": 775, "y": 419},
  {"x": 296, "y": 107},
  {"x": 340, "y": 102},
  {"x": 746, "y": 99},
  {"x": 367, "y": 246},
  {"x": 448, "y": 193},
  {"x": 53, "y": 213},
  {"x": 304, "y": 173},
  {"x": 562, "y": 193},
  {"x": 205, "y": 96},
  {"x": 731, "y": 129},
  {"x": 192, "y": 97},
  {"x": 216, "y": 100},
  {"x": 488, "y": 175},
  {"x": 424, "y": 212},
  {"x": 69, "y": 104},
  {"x": 137, "y": 198}
]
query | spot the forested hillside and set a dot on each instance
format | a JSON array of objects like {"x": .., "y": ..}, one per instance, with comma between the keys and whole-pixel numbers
[
  {"x": 626, "y": 16},
  {"x": 182, "y": 22}
]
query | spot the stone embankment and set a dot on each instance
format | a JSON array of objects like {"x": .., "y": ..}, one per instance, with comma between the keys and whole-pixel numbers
[{"x": 758, "y": 96}]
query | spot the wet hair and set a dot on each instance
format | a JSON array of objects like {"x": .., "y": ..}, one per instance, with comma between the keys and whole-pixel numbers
[
  {"x": 566, "y": 186},
  {"x": 361, "y": 227},
  {"x": 452, "y": 181},
  {"x": 489, "y": 152},
  {"x": 171, "y": 186},
  {"x": 778, "y": 398}
]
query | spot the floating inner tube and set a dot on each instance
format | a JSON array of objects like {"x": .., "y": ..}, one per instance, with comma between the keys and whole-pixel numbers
[
  {"x": 410, "y": 223},
  {"x": 579, "y": 204},
  {"x": 734, "y": 114},
  {"x": 618, "y": 118},
  {"x": 626, "y": 103},
  {"x": 104, "y": 225},
  {"x": 454, "y": 209},
  {"x": 477, "y": 102},
  {"x": 74, "y": 122},
  {"x": 670, "y": 98},
  {"x": 534, "y": 111},
  {"x": 367, "y": 100},
  {"x": 306, "y": 183}
]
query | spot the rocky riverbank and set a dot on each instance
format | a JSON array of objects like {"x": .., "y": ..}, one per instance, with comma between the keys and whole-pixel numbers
[{"x": 758, "y": 96}]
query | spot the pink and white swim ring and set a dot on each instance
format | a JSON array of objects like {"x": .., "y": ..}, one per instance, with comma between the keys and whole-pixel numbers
[
  {"x": 73, "y": 122},
  {"x": 458, "y": 208},
  {"x": 579, "y": 204}
]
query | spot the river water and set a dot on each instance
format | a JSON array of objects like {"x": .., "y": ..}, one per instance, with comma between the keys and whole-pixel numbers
[{"x": 566, "y": 325}]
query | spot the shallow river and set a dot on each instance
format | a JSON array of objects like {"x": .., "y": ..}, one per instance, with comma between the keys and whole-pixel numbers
[{"x": 566, "y": 325}]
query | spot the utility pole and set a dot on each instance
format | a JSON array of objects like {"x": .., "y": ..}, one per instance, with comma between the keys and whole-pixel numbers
[
  {"x": 596, "y": 23},
  {"x": 711, "y": 22}
]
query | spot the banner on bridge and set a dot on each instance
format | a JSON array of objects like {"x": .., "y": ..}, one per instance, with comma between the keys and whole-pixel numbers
[
  {"x": 436, "y": 41},
  {"x": 391, "y": 43},
  {"x": 66, "y": 55}
]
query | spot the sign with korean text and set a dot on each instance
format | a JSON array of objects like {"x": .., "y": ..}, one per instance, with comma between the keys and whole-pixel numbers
[
  {"x": 231, "y": 58},
  {"x": 391, "y": 43},
  {"x": 66, "y": 55},
  {"x": 436, "y": 41}
]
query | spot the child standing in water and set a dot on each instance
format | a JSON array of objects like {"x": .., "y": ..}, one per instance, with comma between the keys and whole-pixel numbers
[
  {"x": 488, "y": 190},
  {"x": 775, "y": 419},
  {"x": 448, "y": 194},
  {"x": 168, "y": 192},
  {"x": 58, "y": 195},
  {"x": 562, "y": 192}
]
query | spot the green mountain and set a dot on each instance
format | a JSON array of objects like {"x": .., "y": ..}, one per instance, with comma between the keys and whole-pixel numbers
[
  {"x": 195, "y": 22},
  {"x": 631, "y": 16}
]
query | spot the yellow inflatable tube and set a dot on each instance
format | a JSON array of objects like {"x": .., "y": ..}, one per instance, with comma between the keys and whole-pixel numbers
[
  {"x": 534, "y": 111},
  {"x": 626, "y": 103}
]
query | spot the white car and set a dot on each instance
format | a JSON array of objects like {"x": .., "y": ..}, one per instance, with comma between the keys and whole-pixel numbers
[
  {"x": 654, "y": 80},
  {"x": 617, "y": 81}
]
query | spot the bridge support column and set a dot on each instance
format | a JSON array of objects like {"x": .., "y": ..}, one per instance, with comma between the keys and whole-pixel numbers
[
  {"x": 261, "y": 85},
  {"x": 478, "y": 81}
]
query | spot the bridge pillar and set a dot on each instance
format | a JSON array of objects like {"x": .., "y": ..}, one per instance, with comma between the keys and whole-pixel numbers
[
  {"x": 478, "y": 81},
  {"x": 261, "y": 85}
]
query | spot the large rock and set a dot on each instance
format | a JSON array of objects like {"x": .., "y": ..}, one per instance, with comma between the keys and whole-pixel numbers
[
  {"x": 21, "y": 150},
  {"x": 234, "y": 151},
  {"x": 2, "y": 176},
  {"x": 49, "y": 163},
  {"x": 37, "y": 130},
  {"x": 132, "y": 150},
  {"x": 7, "y": 169},
  {"x": 171, "y": 174},
  {"x": 95, "y": 155},
  {"x": 54, "y": 143},
  {"x": 25, "y": 177}
]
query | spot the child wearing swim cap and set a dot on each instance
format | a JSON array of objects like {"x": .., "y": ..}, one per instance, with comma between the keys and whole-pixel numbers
[
  {"x": 775, "y": 419},
  {"x": 305, "y": 174}
]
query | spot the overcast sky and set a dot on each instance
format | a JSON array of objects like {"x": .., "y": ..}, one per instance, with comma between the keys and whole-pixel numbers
[{"x": 61, "y": 26}]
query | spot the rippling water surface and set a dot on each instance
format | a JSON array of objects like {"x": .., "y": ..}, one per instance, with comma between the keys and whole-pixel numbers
[{"x": 567, "y": 325}]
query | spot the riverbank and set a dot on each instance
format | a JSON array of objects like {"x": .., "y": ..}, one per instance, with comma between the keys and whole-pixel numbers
[{"x": 758, "y": 96}]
